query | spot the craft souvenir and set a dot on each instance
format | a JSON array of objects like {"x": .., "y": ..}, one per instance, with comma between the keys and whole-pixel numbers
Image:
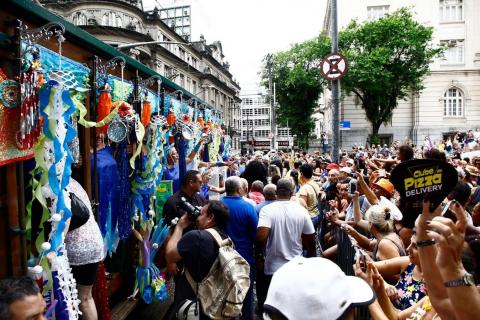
[
  {"x": 9, "y": 92},
  {"x": 117, "y": 130},
  {"x": 146, "y": 112},
  {"x": 104, "y": 106}
]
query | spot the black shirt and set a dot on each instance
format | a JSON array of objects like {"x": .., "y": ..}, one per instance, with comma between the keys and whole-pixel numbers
[{"x": 170, "y": 210}]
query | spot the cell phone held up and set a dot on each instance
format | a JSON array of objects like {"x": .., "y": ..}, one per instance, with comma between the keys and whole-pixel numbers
[{"x": 363, "y": 262}]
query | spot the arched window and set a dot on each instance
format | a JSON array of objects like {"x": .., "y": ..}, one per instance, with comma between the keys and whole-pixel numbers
[
  {"x": 119, "y": 22},
  {"x": 105, "y": 20},
  {"x": 79, "y": 19},
  {"x": 112, "y": 19},
  {"x": 453, "y": 103}
]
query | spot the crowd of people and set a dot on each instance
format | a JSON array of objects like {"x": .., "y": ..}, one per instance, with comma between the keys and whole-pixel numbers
[{"x": 283, "y": 210}]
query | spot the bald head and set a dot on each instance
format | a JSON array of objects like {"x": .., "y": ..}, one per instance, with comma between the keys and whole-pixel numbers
[
  {"x": 270, "y": 192},
  {"x": 284, "y": 189}
]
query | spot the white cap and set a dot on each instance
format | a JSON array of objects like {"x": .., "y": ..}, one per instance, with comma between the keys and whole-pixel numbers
[
  {"x": 350, "y": 161},
  {"x": 346, "y": 170},
  {"x": 315, "y": 288}
]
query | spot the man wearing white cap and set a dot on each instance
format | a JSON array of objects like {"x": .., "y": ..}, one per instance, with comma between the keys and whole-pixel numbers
[{"x": 314, "y": 288}]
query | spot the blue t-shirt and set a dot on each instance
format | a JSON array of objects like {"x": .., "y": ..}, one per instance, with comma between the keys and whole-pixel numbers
[
  {"x": 242, "y": 226},
  {"x": 173, "y": 173}
]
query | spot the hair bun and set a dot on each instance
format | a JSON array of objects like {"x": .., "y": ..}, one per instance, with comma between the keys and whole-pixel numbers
[{"x": 387, "y": 213}]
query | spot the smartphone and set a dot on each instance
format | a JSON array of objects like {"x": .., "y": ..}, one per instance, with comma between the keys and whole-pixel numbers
[
  {"x": 353, "y": 188},
  {"x": 363, "y": 263}
]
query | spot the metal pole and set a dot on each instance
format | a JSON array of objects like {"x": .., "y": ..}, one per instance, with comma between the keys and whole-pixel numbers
[
  {"x": 93, "y": 117},
  {"x": 272, "y": 107},
  {"x": 335, "y": 89}
]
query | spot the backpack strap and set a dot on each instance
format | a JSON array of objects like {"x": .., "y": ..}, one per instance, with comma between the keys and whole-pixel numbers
[{"x": 221, "y": 242}]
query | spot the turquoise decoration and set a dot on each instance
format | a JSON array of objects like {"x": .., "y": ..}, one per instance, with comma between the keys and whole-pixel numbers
[{"x": 9, "y": 92}]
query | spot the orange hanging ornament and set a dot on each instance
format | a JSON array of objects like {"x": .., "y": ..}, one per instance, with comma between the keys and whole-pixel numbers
[
  {"x": 200, "y": 121},
  {"x": 146, "y": 113},
  {"x": 104, "y": 106},
  {"x": 171, "y": 118}
]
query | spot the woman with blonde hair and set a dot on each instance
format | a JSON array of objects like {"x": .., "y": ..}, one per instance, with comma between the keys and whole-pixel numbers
[{"x": 386, "y": 244}]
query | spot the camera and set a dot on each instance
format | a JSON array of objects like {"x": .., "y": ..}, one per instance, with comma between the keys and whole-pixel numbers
[{"x": 192, "y": 211}]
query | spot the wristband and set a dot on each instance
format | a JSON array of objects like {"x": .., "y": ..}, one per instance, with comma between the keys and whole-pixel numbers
[
  {"x": 197, "y": 147},
  {"x": 425, "y": 243}
]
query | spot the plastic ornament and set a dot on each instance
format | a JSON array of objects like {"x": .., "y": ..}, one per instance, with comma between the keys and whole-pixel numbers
[
  {"x": 154, "y": 197},
  {"x": 56, "y": 217},
  {"x": 155, "y": 246},
  {"x": 37, "y": 269},
  {"x": 46, "y": 246},
  {"x": 104, "y": 106},
  {"x": 171, "y": 118},
  {"x": 151, "y": 213},
  {"x": 146, "y": 113}
]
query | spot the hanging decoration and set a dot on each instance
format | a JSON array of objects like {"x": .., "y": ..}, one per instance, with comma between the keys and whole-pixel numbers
[
  {"x": 104, "y": 106},
  {"x": 149, "y": 281}
]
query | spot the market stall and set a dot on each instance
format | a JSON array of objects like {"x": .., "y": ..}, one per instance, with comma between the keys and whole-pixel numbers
[{"x": 85, "y": 132}]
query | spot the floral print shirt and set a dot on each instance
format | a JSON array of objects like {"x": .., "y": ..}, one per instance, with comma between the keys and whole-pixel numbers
[{"x": 409, "y": 290}]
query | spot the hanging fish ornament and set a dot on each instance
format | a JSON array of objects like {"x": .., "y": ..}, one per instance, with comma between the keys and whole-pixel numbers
[
  {"x": 104, "y": 106},
  {"x": 171, "y": 117},
  {"x": 146, "y": 112}
]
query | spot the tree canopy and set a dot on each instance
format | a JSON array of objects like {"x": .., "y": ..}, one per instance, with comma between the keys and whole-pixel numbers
[
  {"x": 388, "y": 58},
  {"x": 298, "y": 85}
]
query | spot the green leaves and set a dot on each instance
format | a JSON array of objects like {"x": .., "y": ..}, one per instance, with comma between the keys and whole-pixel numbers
[{"x": 388, "y": 58}]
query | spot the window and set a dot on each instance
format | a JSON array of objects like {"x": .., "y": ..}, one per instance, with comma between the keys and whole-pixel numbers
[
  {"x": 247, "y": 112},
  {"x": 194, "y": 63},
  {"x": 194, "y": 87},
  {"x": 79, "y": 19},
  {"x": 182, "y": 80},
  {"x": 181, "y": 53},
  {"x": 105, "y": 20},
  {"x": 453, "y": 103},
  {"x": 454, "y": 52},
  {"x": 119, "y": 22},
  {"x": 451, "y": 10},
  {"x": 376, "y": 12}
]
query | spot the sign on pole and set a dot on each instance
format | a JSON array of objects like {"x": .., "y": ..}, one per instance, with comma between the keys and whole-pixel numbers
[
  {"x": 334, "y": 66},
  {"x": 345, "y": 125}
]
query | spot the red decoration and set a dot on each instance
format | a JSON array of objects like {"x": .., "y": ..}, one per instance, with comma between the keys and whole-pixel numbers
[
  {"x": 104, "y": 106},
  {"x": 186, "y": 118},
  {"x": 146, "y": 113},
  {"x": 100, "y": 294},
  {"x": 171, "y": 118},
  {"x": 124, "y": 109}
]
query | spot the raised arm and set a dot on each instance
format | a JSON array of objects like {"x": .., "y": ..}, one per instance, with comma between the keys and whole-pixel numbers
[{"x": 427, "y": 254}]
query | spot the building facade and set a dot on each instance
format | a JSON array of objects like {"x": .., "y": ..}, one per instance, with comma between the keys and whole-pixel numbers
[
  {"x": 196, "y": 66},
  {"x": 256, "y": 126},
  {"x": 450, "y": 101}
]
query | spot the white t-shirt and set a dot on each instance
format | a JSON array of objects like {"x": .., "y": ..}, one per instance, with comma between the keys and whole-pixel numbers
[{"x": 287, "y": 221}]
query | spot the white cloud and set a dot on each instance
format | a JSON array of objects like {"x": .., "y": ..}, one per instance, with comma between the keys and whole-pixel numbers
[{"x": 249, "y": 29}]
